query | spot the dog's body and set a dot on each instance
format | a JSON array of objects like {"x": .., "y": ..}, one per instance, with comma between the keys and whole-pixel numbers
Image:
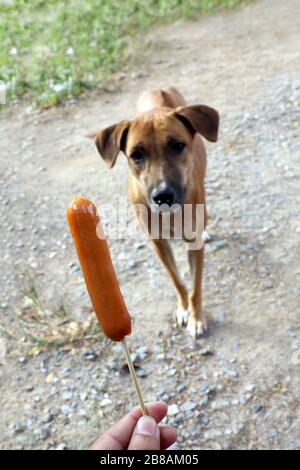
[{"x": 167, "y": 163}]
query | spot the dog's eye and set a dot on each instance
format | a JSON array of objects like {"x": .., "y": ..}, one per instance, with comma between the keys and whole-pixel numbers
[
  {"x": 137, "y": 156},
  {"x": 176, "y": 147}
]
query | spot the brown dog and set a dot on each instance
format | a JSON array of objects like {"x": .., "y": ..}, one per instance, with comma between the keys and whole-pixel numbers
[{"x": 167, "y": 161}]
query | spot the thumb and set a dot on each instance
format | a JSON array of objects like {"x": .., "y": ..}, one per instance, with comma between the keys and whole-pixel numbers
[{"x": 146, "y": 435}]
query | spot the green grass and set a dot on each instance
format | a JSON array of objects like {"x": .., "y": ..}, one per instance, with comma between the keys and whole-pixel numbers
[
  {"x": 52, "y": 50},
  {"x": 30, "y": 291},
  {"x": 61, "y": 309}
]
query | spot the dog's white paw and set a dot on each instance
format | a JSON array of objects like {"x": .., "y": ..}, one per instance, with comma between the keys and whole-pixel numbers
[
  {"x": 196, "y": 328},
  {"x": 182, "y": 316},
  {"x": 206, "y": 236}
]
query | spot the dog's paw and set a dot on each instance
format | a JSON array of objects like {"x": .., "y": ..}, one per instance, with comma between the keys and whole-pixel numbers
[
  {"x": 196, "y": 328},
  {"x": 182, "y": 316},
  {"x": 206, "y": 237}
]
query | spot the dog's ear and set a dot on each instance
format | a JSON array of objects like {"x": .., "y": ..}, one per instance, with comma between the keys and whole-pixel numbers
[
  {"x": 111, "y": 140},
  {"x": 200, "y": 118}
]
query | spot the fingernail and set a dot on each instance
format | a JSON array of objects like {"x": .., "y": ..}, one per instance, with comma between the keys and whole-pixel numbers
[{"x": 147, "y": 425}]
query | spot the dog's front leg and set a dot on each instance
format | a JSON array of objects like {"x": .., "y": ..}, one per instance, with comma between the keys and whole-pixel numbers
[
  {"x": 196, "y": 322},
  {"x": 164, "y": 252}
]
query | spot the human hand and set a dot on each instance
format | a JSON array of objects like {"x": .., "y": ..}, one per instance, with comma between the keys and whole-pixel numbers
[{"x": 137, "y": 432}]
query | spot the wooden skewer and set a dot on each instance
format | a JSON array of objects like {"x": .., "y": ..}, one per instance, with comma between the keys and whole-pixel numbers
[{"x": 134, "y": 377}]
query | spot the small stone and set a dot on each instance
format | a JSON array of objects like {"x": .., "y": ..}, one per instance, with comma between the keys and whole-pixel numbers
[
  {"x": 142, "y": 351},
  {"x": 268, "y": 284},
  {"x": 212, "y": 434},
  {"x": 131, "y": 264},
  {"x": 47, "y": 418},
  {"x": 28, "y": 411},
  {"x": 62, "y": 446},
  {"x": 113, "y": 365},
  {"x": 218, "y": 245},
  {"x": 67, "y": 395},
  {"x": 44, "y": 366},
  {"x": 74, "y": 268},
  {"x": 139, "y": 245},
  {"x": 220, "y": 404},
  {"x": 49, "y": 378},
  {"x": 206, "y": 352},
  {"x": 203, "y": 401},
  {"x": 188, "y": 406},
  {"x": 19, "y": 228},
  {"x": 83, "y": 396},
  {"x": 137, "y": 74},
  {"x": 89, "y": 355},
  {"x": 235, "y": 345},
  {"x": 249, "y": 387},
  {"x": 233, "y": 374},
  {"x": 118, "y": 348},
  {"x": 19, "y": 244},
  {"x": 19, "y": 428},
  {"x": 173, "y": 410},
  {"x": 29, "y": 388},
  {"x": 87, "y": 352},
  {"x": 66, "y": 409},
  {"x": 221, "y": 316},
  {"x": 161, "y": 357},
  {"x": 178, "y": 418},
  {"x": 134, "y": 357},
  {"x": 30, "y": 423},
  {"x": 256, "y": 408},
  {"x": 22, "y": 360},
  {"x": 273, "y": 433},
  {"x": 238, "y": 429},
  {"x": 204, "y": 420},
  {"x": 171, "y": 372},
  {"x": 140, "y": 372},
  {"x": 244, "y": 399},
  {"x": 297, "y": 444},
  {"x": 180, "y": 388},
  {"x": 105, "y": 402},
  {"x": 165, "y": 397},
  {"x": 45, "y": 432}
]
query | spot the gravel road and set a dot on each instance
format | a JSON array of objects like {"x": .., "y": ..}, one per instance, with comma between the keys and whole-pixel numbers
[{"x": 61, "y": 382}]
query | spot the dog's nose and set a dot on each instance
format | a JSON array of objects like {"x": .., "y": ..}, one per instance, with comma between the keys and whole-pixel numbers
[{"x": 165, "y": 196}]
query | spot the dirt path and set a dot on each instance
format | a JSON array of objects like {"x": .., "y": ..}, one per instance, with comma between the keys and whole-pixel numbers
[{"x": 237, "y": 388}]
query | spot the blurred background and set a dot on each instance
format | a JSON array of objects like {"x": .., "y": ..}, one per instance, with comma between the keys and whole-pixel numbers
[{"x": 55, "y": 50}]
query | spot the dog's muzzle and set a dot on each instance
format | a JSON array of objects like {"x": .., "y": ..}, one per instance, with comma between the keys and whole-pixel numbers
[{"x": 166, "y": 198}]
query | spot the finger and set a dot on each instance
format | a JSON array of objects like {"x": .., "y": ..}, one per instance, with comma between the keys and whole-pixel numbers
[
  {"x": 146, "y": 435},
  {"x": 168, "y": 436},
  {"x": 119, "y": 435}
]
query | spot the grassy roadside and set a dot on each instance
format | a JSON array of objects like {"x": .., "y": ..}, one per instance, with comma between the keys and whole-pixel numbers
[{"x": 53, "y": 50}]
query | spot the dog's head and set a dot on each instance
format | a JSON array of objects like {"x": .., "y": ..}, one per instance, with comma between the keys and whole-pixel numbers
[{"x": 158, "y": 147}]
